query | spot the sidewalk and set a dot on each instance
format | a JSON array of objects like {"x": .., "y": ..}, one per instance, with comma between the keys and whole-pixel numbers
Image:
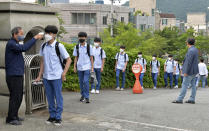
[{"x": 123, "y": 111}]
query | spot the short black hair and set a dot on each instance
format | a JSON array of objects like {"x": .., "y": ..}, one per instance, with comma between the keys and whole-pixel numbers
[
  {"x": 154, "y": 55},
  {"x": 140, "y": 53},
  {"x": 15, "y": 30},
  {"x": 97, "y": 39},
  {"x": 122, "y": 47},
  {"x": 170, "y": 55},
  {"x": 82, "y": 34},
  {"x": 201, "y": 60},
  {"x": 191, "y": 41},
  {"x": 51, "y": 29},
  {"x": 176, "y": 59}
]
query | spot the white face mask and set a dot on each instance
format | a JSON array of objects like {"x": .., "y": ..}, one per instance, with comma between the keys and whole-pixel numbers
[
  {"x": 48, "y": 37},
  {"x": 96, "y": 44},
  {"x": 153, "y": 58},
  {"x": 169, "y": 59},
  {"x": 121, "y": 50},
  {"x": 140, "y": 56}
]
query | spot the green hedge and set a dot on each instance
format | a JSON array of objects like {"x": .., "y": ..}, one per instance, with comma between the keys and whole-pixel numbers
[{"x": 108, "y": 76}]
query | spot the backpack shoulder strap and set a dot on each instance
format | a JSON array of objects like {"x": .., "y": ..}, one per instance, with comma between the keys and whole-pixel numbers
[
  {"x": 125, "y": 57},
  {"x": 117, "y": 56},
  {"x": 43, "y": 46},
  {"x": 143, "y": 61},
  {"x": 77, "y": 50},
  {"x": 88, "y": 50},
  {"x": 58, "y": 54},
  {"x": 101, "y": 53}
]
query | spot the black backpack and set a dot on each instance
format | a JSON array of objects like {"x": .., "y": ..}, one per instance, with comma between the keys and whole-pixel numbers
[
  {"x": 88, "y": 50},
  {"x": 172, "y": 62},
  {"x": 63, "y": 63},
  {"x": 157, "y": 64},
  {"x": 125, "y": 55}
]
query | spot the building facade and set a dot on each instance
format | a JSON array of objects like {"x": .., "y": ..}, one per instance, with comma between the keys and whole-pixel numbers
[
  {"x": 197, "y": 21},
  {"x": 147, "y": 6},
  {"x": 90, "y": 18},
  {"x": 144, "y": 22},
  {"x": 165, "y": 20}
]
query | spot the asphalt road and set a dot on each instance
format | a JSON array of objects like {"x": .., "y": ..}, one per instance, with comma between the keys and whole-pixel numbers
[{"x": 123, "y": 111}]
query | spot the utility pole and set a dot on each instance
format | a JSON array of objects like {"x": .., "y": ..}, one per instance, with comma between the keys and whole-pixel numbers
[{"x": 112, "y": 19}]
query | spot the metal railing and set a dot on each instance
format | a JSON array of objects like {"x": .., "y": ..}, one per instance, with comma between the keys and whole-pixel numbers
[{"x": 34, "y": 93}]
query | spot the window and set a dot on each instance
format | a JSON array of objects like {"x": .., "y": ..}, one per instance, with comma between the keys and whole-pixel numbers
[
  {"x": 153, "y": 12},
  {"x": 164, "y": 21},
  {"x": 142, "y": 27},
  {"x": 84, "y": 18},
  {"x": 104, "y": 20},
  {"x": 122, "y": 19}
]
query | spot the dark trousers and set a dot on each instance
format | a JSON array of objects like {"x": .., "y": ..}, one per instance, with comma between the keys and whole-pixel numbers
[{"x": 15, "y": 85}]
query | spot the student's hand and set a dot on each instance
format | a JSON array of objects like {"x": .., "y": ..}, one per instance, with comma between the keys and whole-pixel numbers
[
  {"x": 124, "y": 69},
  {"x": 39, "y": 36},
  {"x": 63, "y": 77},
  {"x": 38, "y": 79},
  {"x": 101, "y": 69},
  {"x": 185, "y": 75},
  {"x": 158, "y": 74},
  {"x": 115, "y": 70},
  {"x": 75, "y": 70}
]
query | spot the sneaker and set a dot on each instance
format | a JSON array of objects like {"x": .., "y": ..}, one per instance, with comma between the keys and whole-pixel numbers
[
  {"x": 176, "y": 87},
  {"x": 20, "y": 119},
  {"x": 58, "y": 122},
  {"x": 118, "y": 88},
  {"x": 97, "y": 92},
  {"x": 122, "y": 89},
  {"x": 142, "y": 87},
  {"x": 14, "y": 122},
  {"x": 82, "y": 99},
  {"x": 93, "y": 91},
  {"x": 87, "y": 100},
  {"x": 50, "y": 121},
  {"x": 154, "y": 88}
]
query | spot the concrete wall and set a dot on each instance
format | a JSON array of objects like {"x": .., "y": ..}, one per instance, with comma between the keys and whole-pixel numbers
[
  {"x": 143, "y": 5},
  {"x": 171, "y": 23},
  {"x": 196, "y": 19},
  {"x": 145, "y": 20}
]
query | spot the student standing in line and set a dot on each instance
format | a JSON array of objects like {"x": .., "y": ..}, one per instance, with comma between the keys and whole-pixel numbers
[
  {"x": 140, "y": 60},
  {"x": 169, "y": 70},
  {"x": 155, "y": 70},
  {"x": 99, "y": 60},
  {"x": 120, "y": 67},
  {"x": 83, "y": 64}
]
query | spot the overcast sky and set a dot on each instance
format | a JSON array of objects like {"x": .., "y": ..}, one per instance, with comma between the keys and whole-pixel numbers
[{"x": 84, "y": 1}]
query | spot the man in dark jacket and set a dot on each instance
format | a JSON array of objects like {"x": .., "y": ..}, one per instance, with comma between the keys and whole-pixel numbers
[
  {"x": 14, "y": 63},
  {"x": 190, "y": 70}
]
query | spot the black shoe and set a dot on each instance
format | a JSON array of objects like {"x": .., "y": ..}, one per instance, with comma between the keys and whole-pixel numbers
[
  {"x": 58, "y": 122},
  {"x": 50, "y": 121},
  {"x": 87, "y": 100},
  {"x": 20, "y": 119},
  {"x": 14, "y": 122},
  {"x": 82, "y": 99},
  {"x": 191, "y": 102},
  {"x": 177, "y": 102}
]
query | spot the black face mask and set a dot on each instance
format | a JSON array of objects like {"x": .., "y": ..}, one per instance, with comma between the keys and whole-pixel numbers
[{"x": 81, "y": 40}]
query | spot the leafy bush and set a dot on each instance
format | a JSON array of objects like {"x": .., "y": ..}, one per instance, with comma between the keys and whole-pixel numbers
[{"x": 108, "y": 76}]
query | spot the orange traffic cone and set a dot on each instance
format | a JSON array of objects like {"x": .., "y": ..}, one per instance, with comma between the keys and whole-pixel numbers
[{"x": 137, "y": 89}]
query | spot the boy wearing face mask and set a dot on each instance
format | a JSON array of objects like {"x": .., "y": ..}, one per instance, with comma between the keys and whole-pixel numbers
[
  {"x": 140, "y": 60},
  {"x": 169, "y": 70},
  {"x": 120, "y": 66},
  {"x": 155, "y": 70},
  {"x": 53, "y": 73},
  {"x": 177, "y": 73},
  {"x": 99, "y": 60},
  {"x": 83, "y": 64}
]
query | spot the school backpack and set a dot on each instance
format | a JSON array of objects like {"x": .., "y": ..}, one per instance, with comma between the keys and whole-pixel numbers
[
  {"x": 157, "y": 64},
  {"x": 88, "y": 50},
  {"x": 125, "y": 55},
  {"x": 63, "y": 63},
  {"x": 142, "y": 60}
]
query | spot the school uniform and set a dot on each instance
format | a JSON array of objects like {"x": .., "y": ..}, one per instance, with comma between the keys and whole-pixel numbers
[
  {"x": 83, "y": 68},
  {"x": 121, "y": 58},
  {"x": 177, "y": 73},
  {"x": 203, "y": 73},
  {"x": 170, "y": 64},
  {"x": 52, "y": 77},
  {"x": 99, "y": 55},
  {"x": 155, "y": 70},
  {"x": 143, "y": 63}
]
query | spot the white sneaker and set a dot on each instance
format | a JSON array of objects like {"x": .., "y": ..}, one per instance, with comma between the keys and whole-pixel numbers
[
  {"x": 93, "y": 91},
  {"x": 176, "y": 87},
  {"x": 142, "y": 87},
  {"x": 97, "y": 92},
  {"x": 154, "y": 88},
  {"x": 121, "y": 89},
  {"x": 118, "y": 88}
]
